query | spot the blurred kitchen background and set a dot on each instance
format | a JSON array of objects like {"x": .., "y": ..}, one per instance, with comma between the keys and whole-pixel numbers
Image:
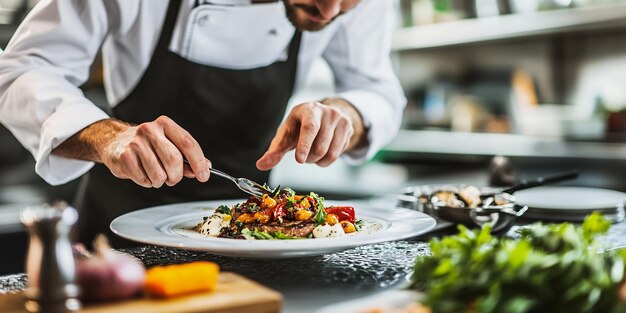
[{"x": 499, "y": 90}]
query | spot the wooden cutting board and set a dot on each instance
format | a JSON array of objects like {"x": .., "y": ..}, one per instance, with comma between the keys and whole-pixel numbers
[{"x": 234, "y": 293}]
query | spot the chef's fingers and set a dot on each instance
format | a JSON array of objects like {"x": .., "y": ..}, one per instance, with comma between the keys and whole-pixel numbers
[
  {"x": 281, "y": 144},
  {"x": 150, "y": 163},
  {"x": 187, "y": 171},
  {"x": 169, "y": 158},
  {"x": 142, "y": 179},
  {"x": 341, "y": 140},
  {"x": 324, "y": 137},
  {"x": 188, "y": 146},
  {"x": 132, "y": 169},
  {"x": 310, "y": 123}
]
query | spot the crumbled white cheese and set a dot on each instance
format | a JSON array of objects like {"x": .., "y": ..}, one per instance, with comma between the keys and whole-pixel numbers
[
  {"x": 321, "y": 231},
  {"x": 336, "y": 231},
  {"x": 212, "y": 226},
  {"x": 327, "y": 231}
]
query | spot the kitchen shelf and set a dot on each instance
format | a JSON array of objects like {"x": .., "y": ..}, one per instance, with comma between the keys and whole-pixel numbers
[
  {"x": 511, "y": 26},
  {"x": 486, "y": 144}
]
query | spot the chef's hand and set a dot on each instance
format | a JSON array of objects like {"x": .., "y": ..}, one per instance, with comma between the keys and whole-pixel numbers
[
  {"x": 150, "y": 154},
  {"x": 319, "y": 132}
]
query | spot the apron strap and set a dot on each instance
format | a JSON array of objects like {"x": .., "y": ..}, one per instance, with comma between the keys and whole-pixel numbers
[{"x": 169, "y": 24}]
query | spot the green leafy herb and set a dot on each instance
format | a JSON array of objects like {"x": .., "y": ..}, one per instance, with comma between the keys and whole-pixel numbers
[
  {"x": 289, "y": 204},
  {"x": 546, "y": 268},
  {"x": 275, "y": 192},
  {"x": 320, "y": 216},
  {"x": 223, "y": 209},
  {"x": 239, "y": 224},
  {"x": 288, "y": 192},
  {"x": 246, "y": 233},
  {"x": 280, "y": 235},
  {"x": 255, "y": 234},
  {"x": 358, "y": 224},
  {"x": 320, "y": 213},
  {"x": 239, "y": 207},
  {"x": 252, "y": 207},
  {"x": 263, "y": 235}
]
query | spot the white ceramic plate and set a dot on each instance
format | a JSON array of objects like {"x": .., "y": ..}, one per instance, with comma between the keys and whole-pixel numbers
[{"x": 168, "y": 226}]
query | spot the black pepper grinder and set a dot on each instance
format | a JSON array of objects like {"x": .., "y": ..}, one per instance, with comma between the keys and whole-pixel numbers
[{"x": 50, "y": 261}]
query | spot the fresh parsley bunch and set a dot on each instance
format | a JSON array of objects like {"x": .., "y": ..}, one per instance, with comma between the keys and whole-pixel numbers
[{"x": 545, "y": 268}]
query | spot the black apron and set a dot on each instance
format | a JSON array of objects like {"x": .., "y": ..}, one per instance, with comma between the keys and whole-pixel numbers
[{"x": 233, "y": 114}]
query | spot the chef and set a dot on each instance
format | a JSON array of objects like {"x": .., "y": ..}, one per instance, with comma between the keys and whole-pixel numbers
[{"x": 203, "y": 81}]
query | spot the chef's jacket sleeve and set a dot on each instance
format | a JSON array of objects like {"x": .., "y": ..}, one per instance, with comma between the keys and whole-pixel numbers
[
  {"x": 359, "y": 56},
  {"x": 47, "y": 59}
]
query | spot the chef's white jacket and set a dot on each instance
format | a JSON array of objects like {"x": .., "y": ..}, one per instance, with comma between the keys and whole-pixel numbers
[{"x": 51, "y": 52}]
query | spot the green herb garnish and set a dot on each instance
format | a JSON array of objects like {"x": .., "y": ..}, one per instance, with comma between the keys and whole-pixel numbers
[
  {"x": 358, "y": 224},
  {"x": 252, "y": 207},
  {"x": 263, "y": 235},
  {"x": 275, "y": 192},
  {"x": 546, "y": 268},
  {"x": 288, "y": 192},
  {"x": 255, "y": 234},
  {"x": 239, "y": 224},
  {"x": 223, "y": 209},
  {"x": 280, "y": 235},
  {"x": 320, "y": 214},
  {"x": 289, "y": 204}
]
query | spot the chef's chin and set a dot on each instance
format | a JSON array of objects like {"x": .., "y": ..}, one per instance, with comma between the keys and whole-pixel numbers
[{"x": 303, "y": 19}]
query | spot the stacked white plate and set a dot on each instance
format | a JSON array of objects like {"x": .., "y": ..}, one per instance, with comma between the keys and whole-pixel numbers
[{"x": 571, "y": 203}]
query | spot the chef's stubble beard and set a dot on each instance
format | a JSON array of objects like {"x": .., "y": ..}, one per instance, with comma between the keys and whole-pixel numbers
[{"x": 303, "y": 26}]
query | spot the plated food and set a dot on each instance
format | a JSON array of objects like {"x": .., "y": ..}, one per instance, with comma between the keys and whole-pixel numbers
[
  {"x": 173, "y": 225},
  {"x": 280, "y": 215}
]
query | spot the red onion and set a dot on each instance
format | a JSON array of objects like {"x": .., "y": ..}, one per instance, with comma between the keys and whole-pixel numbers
[{"x": 107, "y": 274}]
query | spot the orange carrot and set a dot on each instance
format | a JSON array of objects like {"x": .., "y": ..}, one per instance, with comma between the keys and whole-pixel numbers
[{"x": 174, "y": 280}]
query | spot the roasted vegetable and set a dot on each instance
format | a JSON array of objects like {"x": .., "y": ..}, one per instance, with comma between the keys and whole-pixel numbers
[
  {"x": 347, "y": 227},
  {"x": 303, "y": 215},
  {"x": 331, "y": 219},
  {"x": 344, "y": 213}
]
